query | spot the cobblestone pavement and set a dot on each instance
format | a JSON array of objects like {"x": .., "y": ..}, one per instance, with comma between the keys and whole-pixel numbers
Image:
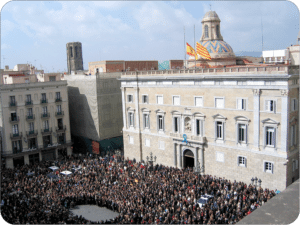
[{"x": 93, "y": 212}]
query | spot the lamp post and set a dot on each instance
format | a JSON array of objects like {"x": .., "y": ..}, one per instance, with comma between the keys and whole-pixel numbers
[
  {"x": 259, "y": 183},
  {"x": 252, "y": 180},
  {"x": 255, "y": 179},
  {"x": 151, "y": 159}
]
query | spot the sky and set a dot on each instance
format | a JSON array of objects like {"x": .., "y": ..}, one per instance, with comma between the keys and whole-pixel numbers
[{"x": 36, "y": 32}]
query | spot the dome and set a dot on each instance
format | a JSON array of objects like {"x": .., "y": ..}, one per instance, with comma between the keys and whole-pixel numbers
[
  {"x": 211, "y": 16},
  {"x": 217, "y": 48}
]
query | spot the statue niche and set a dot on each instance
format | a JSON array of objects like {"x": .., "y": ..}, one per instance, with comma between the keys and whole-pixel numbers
[{"x": 187, "y": 125}]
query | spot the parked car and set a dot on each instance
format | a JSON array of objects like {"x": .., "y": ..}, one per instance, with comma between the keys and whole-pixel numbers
[{"x": 204, "y": 199}]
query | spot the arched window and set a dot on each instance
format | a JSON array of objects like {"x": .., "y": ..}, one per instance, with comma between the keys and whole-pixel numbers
[
  {"x": 75, "y": 51},
  {"x": 71, "y": 52},
  {"x": 218, "y": 31},
  {"x": 206, "y": 31}
]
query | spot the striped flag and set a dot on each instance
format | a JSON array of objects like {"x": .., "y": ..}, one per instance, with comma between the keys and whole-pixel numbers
[
  {"x": 95, "y": 146},
  {"x": 202, "y": 51},
  {"x": 191, "y": 51}
]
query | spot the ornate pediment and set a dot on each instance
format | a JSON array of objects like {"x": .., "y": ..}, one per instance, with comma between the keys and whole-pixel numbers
[
  {"x": 242, "y": 118},
  {"x": 270, "y": 121},
  {"x": 198, "y": 114},
  {"x": 219, "y": 116}
]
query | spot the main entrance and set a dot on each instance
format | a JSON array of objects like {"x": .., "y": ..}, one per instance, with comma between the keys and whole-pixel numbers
[{"x": 188, "y": 159}]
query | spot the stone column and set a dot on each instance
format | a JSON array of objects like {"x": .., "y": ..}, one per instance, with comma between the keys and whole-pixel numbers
[
  {"x": 123, "y": 107},
  {"x": 202, "y": 159},
  {"x": 196, "y": 158},
  {"x": 26, "y": 159},
  {"x": 175, "y": 154},
  {"x": 56, "y": 153},
  {"x": 284, "y": 120},
  {"x": 9, "y": 163},
  {"x": 256, "y": 117},
  {"x": 179, "y": 155},
  {"x": 137, "y": 108}
]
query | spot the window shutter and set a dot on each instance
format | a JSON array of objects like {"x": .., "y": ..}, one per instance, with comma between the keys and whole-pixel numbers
[
  {"x": 244, "y": 104},
  {"x": 267, "y": 105},
  {"x": 238, "y": 160},
  {"x": 246, "y": 133},
  {"x": 163, "y": 128},
  {"x": 216, "y": 130},
  {"x": 245, "y": 162},
  {"x": 201, "y": 128},
  {"x": 274, "y": 106},
  {"x": 274, "y": 138},
  {"x": 239, "y": 103},
  {"x": 272, "y": 165}
]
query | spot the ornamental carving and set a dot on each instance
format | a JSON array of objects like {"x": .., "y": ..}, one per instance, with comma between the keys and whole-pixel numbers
[
  {"x": 256, "y": 91},
  {"x": 187, "y": 124},
  {"x": 284, "y": 92}
]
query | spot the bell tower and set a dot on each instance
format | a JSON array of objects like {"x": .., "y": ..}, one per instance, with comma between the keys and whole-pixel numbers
[
  {"x": 211, "y": 27},
  {"x": 74, "y": 56}
]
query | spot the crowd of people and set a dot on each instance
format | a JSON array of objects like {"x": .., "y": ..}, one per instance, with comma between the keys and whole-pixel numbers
[{"x": 139, "y": 192}]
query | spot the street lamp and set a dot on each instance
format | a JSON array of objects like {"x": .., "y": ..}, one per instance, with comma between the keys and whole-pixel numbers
[
  {"x": 255, "y": 179},
  {"x": 252, "y": 180},
  {"x": 259, "y": 182},
  {"x": 151, "y": 159}
]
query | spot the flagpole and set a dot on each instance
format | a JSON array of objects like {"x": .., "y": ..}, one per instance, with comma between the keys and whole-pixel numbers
[
  {"x": 195, "y": 45},
  {"x": 184, "y": 47}
]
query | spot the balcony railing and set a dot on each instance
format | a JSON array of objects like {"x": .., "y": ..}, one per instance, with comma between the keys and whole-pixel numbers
[
  {"x": 46, "y": 131},
  {"x": 13, "y": 104},
  {"x": 60, "y": 113},
  {"x": 30, "y": 117},
  {"x": 14, "y": 119},
  {"x": 45, "y": 115},
  {"x": 31, "y": 133},
  {"x": 16, "y": 151},
  {"x": 16, "y": 135},
  {"x": 58, "y": 99},
  {"x": 61, "y": 128},
  {"x": 44, "y": 101},
  {"x": 28, "y": 102}
]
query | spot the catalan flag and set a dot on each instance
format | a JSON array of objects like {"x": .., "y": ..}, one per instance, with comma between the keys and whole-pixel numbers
[
  {"x": 202, "y": 51},
  {"x": 191, "y": 51}
]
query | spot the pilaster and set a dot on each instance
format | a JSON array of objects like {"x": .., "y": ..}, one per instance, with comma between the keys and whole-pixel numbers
[
  {"x": 256, "y": 117},
  {"x": 284, "y": 120}
]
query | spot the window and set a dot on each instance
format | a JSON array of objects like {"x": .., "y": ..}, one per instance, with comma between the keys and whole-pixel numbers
[
  {"x": 199, "y": 101},
  {"x": 131, "y": 141},
  {"x": 294, "y": 104},
  {"x": 46, "y": 125},
  {"x": 147, "y": 142},
  {"x": 131, "y": 119},
  {"x": 176, "y": 100},
  {"x": 29, "y": 112},
  {"x": 12, "y": 99},
  {"x": 295, "y": 165},
  {"x": 268, "y": 167},
  {"x": 145, "y": 99},
  {"x": 43, "y": 96},
  {"x": 75, "y": 51},
  {"x": 44, "y": 110},
  {"x": 270, "y": 137},
  {"x": 242, "y": 161},
  {"x": 270, "y": 105},
  {"x": 130, "y": 98},
  {"x": 219, "y": 103},
  {"x": 218, "y": 31},
  {"x": 31, "y": 126},
  {"x": 52, "y": 78},
  {"x": 17, "y": 146},
  {"x": 57, "y": 95},
  {"x": 241, "y": 104},
  {"x": 242, "y": 133},
  {"x": 58, "y": 108},
  {"x": 206, "y": 31},
  {"x": 160, "y": 100},
  {"x": 71, "y": 51},
  {"x": 60, "y": 124},
  {"x": 146, "y": 121},
  {"x": 15, "y": 129},
  {"x": 13, "y": 116},
  {"x": 176, "y": 124},
  {"x": 219, "y": 128},
  {"x": 199, "y": 127},
  {"x": 28, "y": 98},
  {"x": 160, "y": 120},
  {"x": 162, "y": 145},
  {"x": 293, "y": 135}
]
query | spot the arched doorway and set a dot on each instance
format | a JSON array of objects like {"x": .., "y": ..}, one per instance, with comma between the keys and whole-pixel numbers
[{"x": 188, "y": 159}]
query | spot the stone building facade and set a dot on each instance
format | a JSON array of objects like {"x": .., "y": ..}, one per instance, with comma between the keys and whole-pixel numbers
[
  {"x": 233, "y": 121},
  {"x": 35, "y": 120},
  {"x": 74, "y": 56}
]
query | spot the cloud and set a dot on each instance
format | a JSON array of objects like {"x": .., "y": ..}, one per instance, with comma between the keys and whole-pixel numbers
[{"x": 7, "y": 27}]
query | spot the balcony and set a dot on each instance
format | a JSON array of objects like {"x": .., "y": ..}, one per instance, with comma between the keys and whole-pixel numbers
[
  {"x": 14, "y": 119},
  {"x": 61, "y": 129},
  {"x": 58, "y": 99},
  {"x": 43, "y": 101},
  {"x": 46, "y": 131},
  {"x": 13, "y": 104},
  {"x": 28, "y": 103},
  {"x": 60, "y": 113},
  {"x": 16, "y": 151},
  {"x": 30, "y": 117},
  {"x": 189, "y": 137},
  {"x": 31, "y": 133},
  {"x": 45, "y": 115},
  {"x": 16, "y": 136}
]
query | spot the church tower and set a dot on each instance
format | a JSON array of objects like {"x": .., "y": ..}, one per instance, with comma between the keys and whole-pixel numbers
[
  {"x": 211, "y": 27},
  {"x": 74, "y": 56}
]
